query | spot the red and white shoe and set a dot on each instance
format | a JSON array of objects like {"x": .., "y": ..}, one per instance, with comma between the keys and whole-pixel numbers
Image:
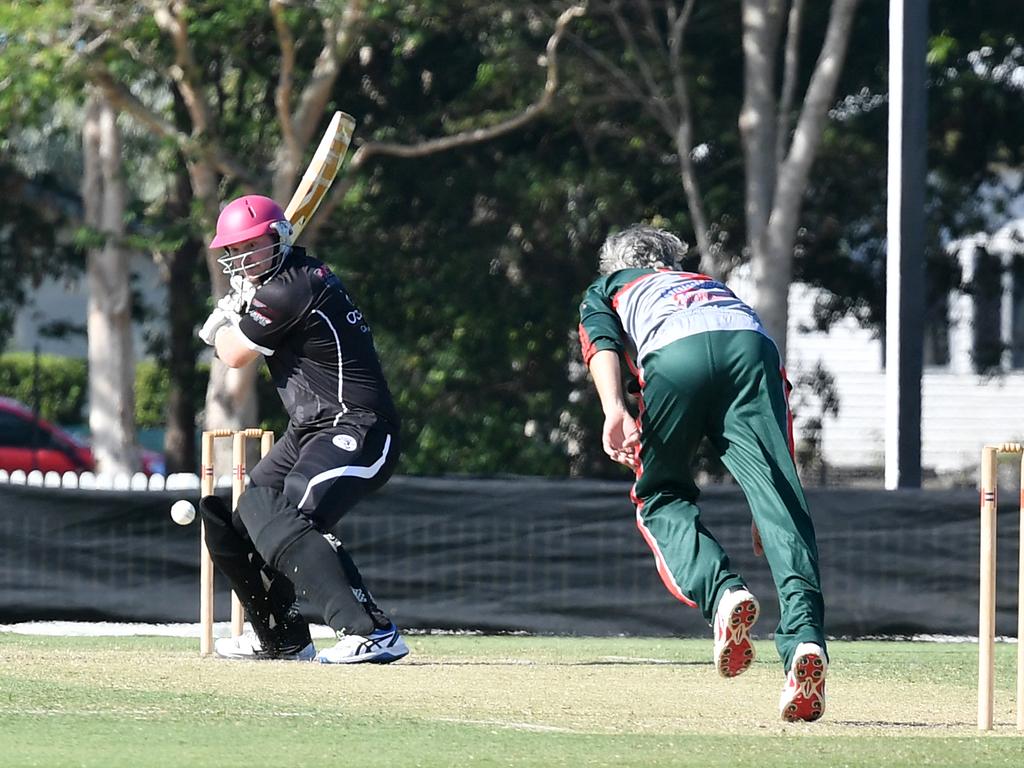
[
  {"x": 803, "y": 696},
  {"x": 734, "y": 650}
]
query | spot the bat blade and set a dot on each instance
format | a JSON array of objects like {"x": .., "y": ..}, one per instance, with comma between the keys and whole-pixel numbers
[{"x": 320, "y": 172}]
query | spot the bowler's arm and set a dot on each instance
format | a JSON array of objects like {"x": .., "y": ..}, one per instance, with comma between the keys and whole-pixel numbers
[
  {"x": 607, "y": 376},
  {"x": 620, "y": 436}
]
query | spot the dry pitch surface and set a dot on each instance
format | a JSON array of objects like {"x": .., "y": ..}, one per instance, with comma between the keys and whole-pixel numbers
[{"x": 467, "y": 700}]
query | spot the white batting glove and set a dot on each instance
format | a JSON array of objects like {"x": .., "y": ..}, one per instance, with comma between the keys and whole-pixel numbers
[
  {"x": 231, "y": 302},
  {"x": 217, "y": 319},
  {"x": 245, "y": 291}
]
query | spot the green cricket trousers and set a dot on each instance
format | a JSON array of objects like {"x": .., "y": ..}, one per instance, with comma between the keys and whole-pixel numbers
[{"x": 728, "y": 386}]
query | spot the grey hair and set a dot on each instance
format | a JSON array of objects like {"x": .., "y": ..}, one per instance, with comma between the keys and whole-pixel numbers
[{"x": 641, "y": 247}]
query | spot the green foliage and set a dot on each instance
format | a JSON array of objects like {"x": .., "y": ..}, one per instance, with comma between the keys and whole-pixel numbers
[
  {"x": 58, "y": 384},
  {"x": 152, "y": 382},
  {"x": 33, "y": 81},
  {"x": 470, "y": 263},
  {"x": 31, "y": 58}
]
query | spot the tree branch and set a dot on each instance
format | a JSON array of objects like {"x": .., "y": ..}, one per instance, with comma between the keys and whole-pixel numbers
[
  {"x": 683, "y": 136},
  {"x": 465, "y": 138},
  {"x": 184, "y": 73},
  {"x": 762, "y": 24},
  {"x": 475, "y": 136},
  {"x": 646, "y": 74},
  {"x": 651, "y": 27},
  {"x": 792, "y": 61},
  {"x": 190, "y": 146},
  {"x": 339, "y": 37},
  {"x": 167, "y": 15},
  {"x": 807, "y": 136},
  {"x": 283, "y": 92}
]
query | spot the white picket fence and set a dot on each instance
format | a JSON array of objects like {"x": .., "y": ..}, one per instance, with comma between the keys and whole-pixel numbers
[{"x": 88, "y": 481}]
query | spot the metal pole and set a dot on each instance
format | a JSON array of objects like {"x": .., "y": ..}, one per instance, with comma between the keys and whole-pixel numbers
[{"x": 904, "y": 332}]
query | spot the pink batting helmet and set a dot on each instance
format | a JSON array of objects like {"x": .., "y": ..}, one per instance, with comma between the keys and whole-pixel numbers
[{"x": 246, "y": 218}]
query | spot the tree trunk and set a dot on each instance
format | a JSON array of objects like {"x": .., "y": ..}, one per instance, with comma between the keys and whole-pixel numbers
[
  {"x": 184, "y": 313},
  {"x": 111, "y": 358},
  {"x": 180, "y": 436},
  {"x": 775, "y": 189},
  {"x": 762, "y": 23}
]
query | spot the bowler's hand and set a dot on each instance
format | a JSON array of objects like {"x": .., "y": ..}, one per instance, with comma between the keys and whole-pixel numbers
[
  {"x": 621, "y": 437},
  {"x": 755, "y": 537}
]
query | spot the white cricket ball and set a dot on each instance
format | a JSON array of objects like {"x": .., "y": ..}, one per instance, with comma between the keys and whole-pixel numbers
[{"x": 182, "y": 512}]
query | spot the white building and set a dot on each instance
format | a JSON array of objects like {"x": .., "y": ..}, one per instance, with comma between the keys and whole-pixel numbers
[
  {"x": 64, "y": 301},
  {"x": 961, "y": 408}
]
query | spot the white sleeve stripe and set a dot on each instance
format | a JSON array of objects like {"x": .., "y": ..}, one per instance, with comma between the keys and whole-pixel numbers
[
  {"x": 337, "y": 345},
  {"x": 348, "y": 471},
  {"x": 253, "y": 345}
]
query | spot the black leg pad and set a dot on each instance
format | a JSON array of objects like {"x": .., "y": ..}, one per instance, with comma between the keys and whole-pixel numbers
[
  {"x": 268, "y": 599},
  {"x": 292, "y": 546}
]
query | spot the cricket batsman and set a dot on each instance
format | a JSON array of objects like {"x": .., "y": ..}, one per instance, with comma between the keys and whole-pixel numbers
[
  {"x": 706, "y": 367},
  {"x": 341, "y": 444}
]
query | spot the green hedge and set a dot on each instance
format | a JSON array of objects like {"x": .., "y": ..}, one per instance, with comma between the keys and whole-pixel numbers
[
  {"x": 62, "y": 384},
  {"x": 151, "y": 384}
]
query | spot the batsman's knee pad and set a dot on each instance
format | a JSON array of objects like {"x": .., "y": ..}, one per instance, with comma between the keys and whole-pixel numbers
[
  {"x": 273, "y": 522},
  {"x": 224, "y": 535}
]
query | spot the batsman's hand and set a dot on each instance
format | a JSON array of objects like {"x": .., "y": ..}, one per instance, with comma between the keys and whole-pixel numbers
[
  {"x": 240, "y": 296},
  {"x": 621, "y": 437},
  {"x": 244, "y": 289},
  {"x": 217, "y": 320}
]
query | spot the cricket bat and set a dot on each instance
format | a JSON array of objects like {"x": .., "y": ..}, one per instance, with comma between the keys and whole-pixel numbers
[{"x": 320, "y": 172}]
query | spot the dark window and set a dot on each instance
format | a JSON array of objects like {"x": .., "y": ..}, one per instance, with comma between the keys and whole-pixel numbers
[
  {"x": 15, "y": 432},
  {"x": 987, "y": 290},
  {"x": 1017, "y": 335},
  {"x": 20, "y": 432}
]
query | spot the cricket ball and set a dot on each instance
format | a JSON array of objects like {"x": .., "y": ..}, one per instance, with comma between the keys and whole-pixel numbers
[{"x": 182, "y": 512}]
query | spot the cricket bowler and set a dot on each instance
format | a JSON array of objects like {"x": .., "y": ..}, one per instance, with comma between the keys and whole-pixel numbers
[{"x": 705, "y": 366}]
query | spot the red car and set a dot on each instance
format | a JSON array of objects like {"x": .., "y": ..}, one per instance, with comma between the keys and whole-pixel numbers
[{"x": 29, "y": 443}]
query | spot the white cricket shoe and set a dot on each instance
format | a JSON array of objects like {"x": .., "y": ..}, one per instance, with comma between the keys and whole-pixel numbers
[
  {"x": 803, "y": 695},
  {"x": 734, "y": 650},
  {"x": 382, "y": 646},
  {"x": 247, "y": 646}
]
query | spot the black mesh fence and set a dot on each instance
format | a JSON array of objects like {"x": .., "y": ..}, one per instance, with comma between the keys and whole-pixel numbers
[{"x": 547, "y": 556}]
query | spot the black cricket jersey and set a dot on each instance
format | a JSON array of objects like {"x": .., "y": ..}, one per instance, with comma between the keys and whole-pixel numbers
[{"x": 317, "y": 344}]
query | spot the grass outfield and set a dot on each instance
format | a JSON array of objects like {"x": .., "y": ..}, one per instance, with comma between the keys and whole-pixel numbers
[{"x": 478, "y": 701}]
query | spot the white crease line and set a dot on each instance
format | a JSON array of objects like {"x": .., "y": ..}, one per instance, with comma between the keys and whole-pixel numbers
[{"x": 506, "y": 724}]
